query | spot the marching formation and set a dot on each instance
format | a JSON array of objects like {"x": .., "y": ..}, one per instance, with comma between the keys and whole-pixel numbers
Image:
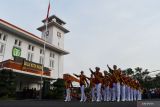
[{"x": 107, "y": 86}]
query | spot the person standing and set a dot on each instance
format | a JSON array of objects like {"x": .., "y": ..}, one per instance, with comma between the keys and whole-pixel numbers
[
  {"x": 128, "y": 98},
  {"x": 98, "y": 81},
  {"x": 83, "y": 82},
  {"x": 106, "y": 85},
  {"x": 123, "y": 87},
  {"x": 116, "y": 84},
  {"x": 92, "y": 86},
  {"x": 131, "y": 89},
  {"x": 135, "y": 90},
  {"x": 68, "y": 85},
  {"x": 139, "y": 91}
]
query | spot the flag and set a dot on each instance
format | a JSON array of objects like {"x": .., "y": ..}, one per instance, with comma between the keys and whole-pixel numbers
[{"x": 48, "y": 12}]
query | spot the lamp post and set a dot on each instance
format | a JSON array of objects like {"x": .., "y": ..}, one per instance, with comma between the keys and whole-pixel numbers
[{"x": 59, "y": 36}]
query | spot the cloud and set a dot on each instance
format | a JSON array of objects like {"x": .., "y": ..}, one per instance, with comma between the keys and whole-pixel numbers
[{"x": 122, "y": 32}]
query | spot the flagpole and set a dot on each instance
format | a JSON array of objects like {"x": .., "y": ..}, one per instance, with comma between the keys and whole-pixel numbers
[
  {"x": 44, "y": 49},
  {"x": 43, "y": 65}
]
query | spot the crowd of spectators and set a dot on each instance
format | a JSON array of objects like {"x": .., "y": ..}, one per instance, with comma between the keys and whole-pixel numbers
[
  {"x": 28, "y": 93},
  {"x": 151, "y": 93}
]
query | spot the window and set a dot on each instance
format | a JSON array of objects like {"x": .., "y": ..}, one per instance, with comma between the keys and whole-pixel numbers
[
  {"x": 41, "y": 51},
  {"x": 30, "y": 56},
  {"x": 51, "y": 55},
  {"x": 30, "y": 47},
  {"x": 41, "y": 60},
  {"x": 0, "y": 35},
  {"x": 51, "y": 63},
  {"x": 17, "y": 42},
  {"x": 2, "y": 46},
  {"x": 4, "y": 37}
]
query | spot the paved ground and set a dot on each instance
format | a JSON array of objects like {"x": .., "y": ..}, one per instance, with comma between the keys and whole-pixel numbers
[
  {"x": 58, "y": 103},
  {"x": 43, "y": 103}
]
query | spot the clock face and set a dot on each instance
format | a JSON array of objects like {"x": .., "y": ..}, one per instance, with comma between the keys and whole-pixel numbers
[
  {"x": 47, "y": 33},
  {"x": 59, "y": 34},
  {"x": 16, "y": 51}
]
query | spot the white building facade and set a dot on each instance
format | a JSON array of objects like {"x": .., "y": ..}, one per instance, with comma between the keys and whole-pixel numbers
[{"x": 16, "y": 42}]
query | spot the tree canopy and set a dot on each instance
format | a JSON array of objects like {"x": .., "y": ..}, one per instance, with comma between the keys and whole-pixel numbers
[{"x": 144, "y": 77}]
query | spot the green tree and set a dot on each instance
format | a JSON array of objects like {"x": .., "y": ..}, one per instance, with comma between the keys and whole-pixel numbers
[
  {"x": 140, "y": 74},
  {"x": 58, "y": 89},
  {"x": 128, "y": 71},
  {"x": 7, "y": 83},
  {"x": 46, "y": 89},
  {"x": 156, "y": 81}
]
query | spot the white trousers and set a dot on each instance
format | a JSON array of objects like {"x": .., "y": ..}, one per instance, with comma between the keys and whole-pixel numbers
[
  {"x": 128, "y": 93},
  {"x": 118, "y": 91},
  {"x": 139, "y": 95},
  {"x": 131, "y": 94},
  {"x": 135, "y": 95},
  {"x": 93, "y": 93},
  {"x": 98, "y": 91},
  {"x": 113, "y": 92},
  {"x": 104, "y": 94},
  {"x": 68, "y": 94},
  {"x": 108, "y": 92},
  {"x": 83, "y": 96},
  {"x": 123, "y": 92}
]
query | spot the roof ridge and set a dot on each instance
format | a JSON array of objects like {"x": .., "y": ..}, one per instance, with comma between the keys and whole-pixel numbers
[{"x": 19, "y": 28}]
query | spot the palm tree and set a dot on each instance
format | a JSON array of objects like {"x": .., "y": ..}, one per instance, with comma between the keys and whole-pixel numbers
[{"x": 128, "y": 71}]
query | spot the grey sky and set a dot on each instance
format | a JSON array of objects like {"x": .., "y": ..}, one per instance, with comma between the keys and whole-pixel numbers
[{"x": 122, "y": 32}]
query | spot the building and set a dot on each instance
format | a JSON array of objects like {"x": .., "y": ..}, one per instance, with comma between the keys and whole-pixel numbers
[{"x": 22, "y": 52}]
